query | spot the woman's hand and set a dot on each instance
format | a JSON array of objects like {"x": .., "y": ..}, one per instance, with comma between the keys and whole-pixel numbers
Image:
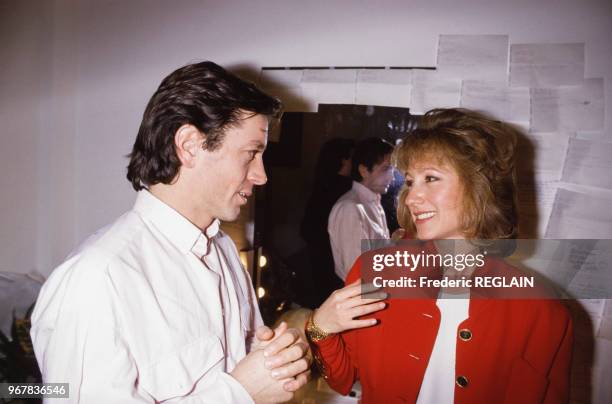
[{"x": 339, "y": 311}]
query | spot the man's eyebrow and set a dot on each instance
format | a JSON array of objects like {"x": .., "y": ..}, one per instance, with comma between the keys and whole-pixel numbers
[{"x": 257, "y": 145}]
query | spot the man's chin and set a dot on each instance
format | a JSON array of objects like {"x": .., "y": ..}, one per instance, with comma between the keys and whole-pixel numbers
[{"x": 230, "y": 216}]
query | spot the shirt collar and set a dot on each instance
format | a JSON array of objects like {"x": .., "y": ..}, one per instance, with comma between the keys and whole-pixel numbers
[
  {"x": 179, "y": 231},
  {"x": 365, "y": 193}
]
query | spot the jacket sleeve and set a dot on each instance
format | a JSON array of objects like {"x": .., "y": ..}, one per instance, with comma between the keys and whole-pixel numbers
[
  {"x": 559, "y": 376},
  {"x": 336, "y": 356}
]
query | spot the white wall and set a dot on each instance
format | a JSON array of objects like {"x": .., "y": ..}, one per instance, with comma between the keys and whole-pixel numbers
[{"x": 21, "y": 96}]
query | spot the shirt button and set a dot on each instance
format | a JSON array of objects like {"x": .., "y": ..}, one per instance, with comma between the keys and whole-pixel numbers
[
  {"x": 465, "y": 334},
  {"x": 462, "y": 381}
]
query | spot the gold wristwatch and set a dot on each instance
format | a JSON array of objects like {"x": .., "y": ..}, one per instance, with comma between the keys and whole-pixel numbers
[{"x": 313, "y": 332}]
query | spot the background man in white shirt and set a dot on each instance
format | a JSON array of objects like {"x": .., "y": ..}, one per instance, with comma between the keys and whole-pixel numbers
[
  {"x": 358, "y": 214},
  {"x": 157, "y": 307}
]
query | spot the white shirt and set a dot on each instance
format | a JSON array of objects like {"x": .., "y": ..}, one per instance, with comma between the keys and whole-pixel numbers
[
  {"x": 438, "y": 384},
  {"x": 356, "y": 216},
  {"x": 149, "y": 310}
]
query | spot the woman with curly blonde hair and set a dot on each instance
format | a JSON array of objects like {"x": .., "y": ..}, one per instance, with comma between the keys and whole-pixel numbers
[{"x": 461, "y": 186}]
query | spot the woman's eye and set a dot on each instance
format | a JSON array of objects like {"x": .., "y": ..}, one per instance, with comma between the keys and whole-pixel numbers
[
  {"x": 252, "y": 154},
  {"x": 431, "y": 178},
  {"x": 408, "y": 183}
]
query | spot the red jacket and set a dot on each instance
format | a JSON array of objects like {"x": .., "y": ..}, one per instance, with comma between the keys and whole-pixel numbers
[{"x": 518, "y": 351}]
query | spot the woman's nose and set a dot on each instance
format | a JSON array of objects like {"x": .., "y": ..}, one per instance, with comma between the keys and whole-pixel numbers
[{"x": 414, "y": 196}]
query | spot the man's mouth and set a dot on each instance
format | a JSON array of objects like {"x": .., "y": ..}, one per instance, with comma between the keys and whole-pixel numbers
[{"x": 244, "y": 196}]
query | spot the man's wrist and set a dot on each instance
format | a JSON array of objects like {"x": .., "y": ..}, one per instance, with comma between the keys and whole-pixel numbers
[{"x": 239, "y": 390}]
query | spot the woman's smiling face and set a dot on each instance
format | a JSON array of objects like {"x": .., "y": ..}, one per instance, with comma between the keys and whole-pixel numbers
[{"x": 435, "y": 200}]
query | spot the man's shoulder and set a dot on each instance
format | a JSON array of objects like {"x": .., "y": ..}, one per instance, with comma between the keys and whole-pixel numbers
[
  {"x": 89, "y": 261},
  {"x": 347, "y": 202},
  {"x": 349, "y": 196},
  {"x": 114, "y": 239}
]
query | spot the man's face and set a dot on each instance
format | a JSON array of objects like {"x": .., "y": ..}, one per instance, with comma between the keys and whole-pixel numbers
[
  {"x": 380, "y": 177},
  {"x": 225, "y": 177}
]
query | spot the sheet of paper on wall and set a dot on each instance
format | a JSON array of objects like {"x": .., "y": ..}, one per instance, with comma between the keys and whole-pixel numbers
[
  {"x": 595, "y": 307},
  {"x": 593, "y": 279},
  {"x": 384, "y": 87},
  {"x": 579, "y": 268},
  {"x": 593, "y": 136},
  {"x": 598, "y": 192},
  {"x": 496, "y": 99},
  {"x": 521, "y": 126},
  {"x": 535, "y": 202},
  {"x": 589, "y": 163},
  {"x": 432, "y": 90},
  {"x": 542, "y": 154},
  {"x": 580, "y": 215},
  {"x": 480, "y": 57},
  {"x": 568, "y": 108},
  {"x": 546, "y": 65},
  {"x": 540, "y": 159},
  {"x": 329, "y": 86},
  {"x": 286, "y": 85},
  {"x": 607, "y": 312}
]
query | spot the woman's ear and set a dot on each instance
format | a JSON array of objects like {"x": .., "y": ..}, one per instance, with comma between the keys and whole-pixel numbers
[{"x": 188, "y": 142}]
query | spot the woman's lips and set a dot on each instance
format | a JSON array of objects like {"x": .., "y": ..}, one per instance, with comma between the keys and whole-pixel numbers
[{"x": 420, "y": 217}]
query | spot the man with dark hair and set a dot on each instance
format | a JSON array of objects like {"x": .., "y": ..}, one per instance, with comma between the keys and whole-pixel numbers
[
  {"x": 358, "y": 214},
  {"x": 157, "y": 307}
]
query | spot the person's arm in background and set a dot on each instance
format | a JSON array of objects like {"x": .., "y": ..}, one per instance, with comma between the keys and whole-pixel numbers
[{"x": 345, "y": 234}]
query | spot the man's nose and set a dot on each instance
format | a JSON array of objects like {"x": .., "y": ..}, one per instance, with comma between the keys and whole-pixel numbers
[{"x": 257, "y": 173}]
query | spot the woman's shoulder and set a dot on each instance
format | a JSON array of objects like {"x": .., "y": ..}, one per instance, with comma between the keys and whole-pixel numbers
[{"x": 538, "y": 297}]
